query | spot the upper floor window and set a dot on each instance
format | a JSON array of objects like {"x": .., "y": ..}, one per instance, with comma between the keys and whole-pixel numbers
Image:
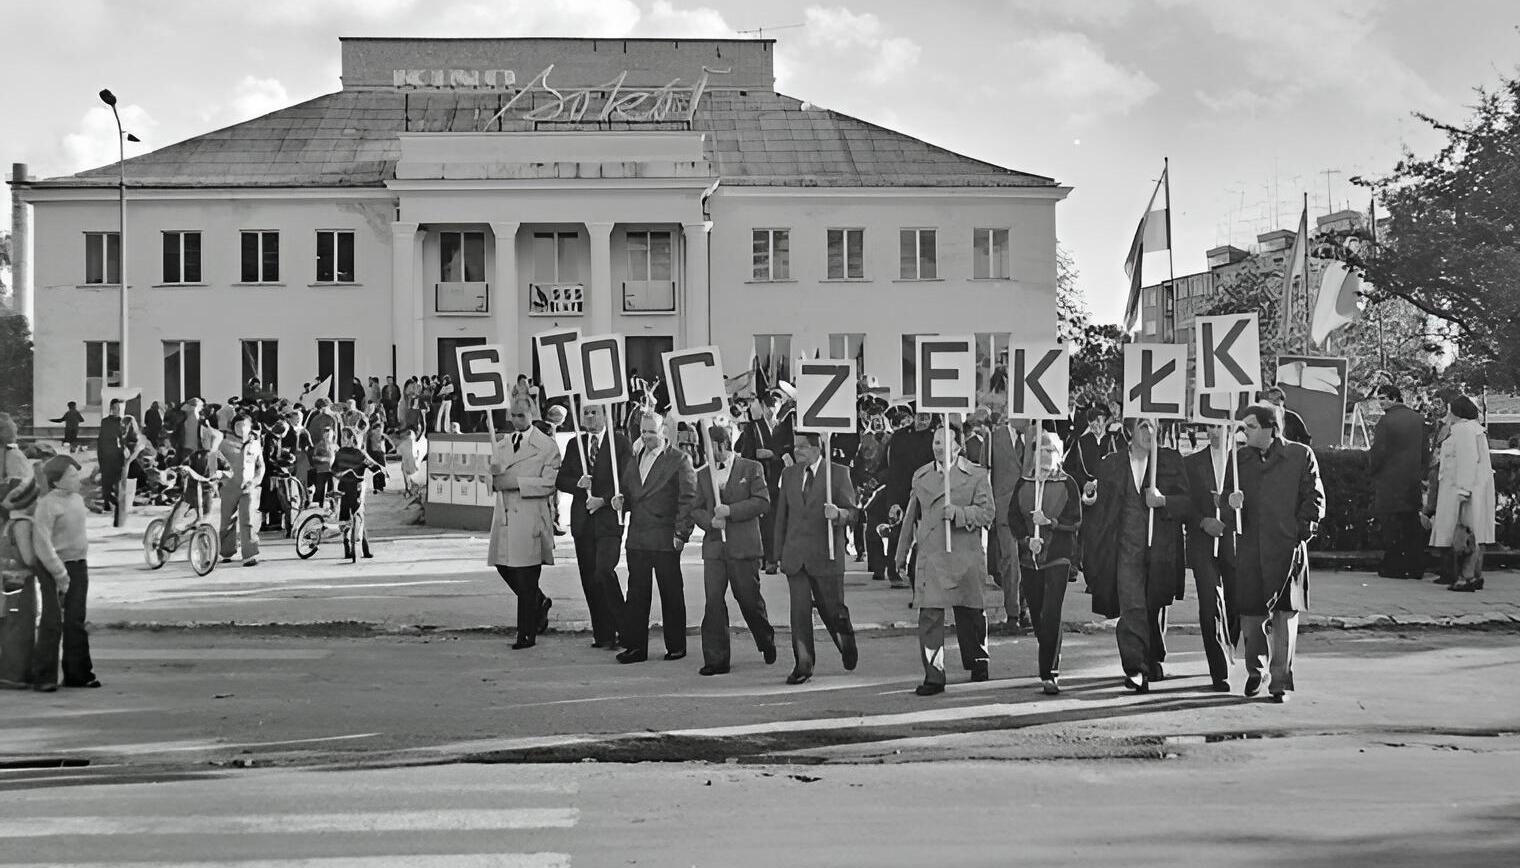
[
  {"x": 772, "y": 254},
  {"x": 650, "y": 287},
  {"x": 335, "y": 256},
  {"x": 462, "y": 257},
  {"x": 846, "y": 254},
  {"x": 917, "y": 254},
  {"x": 102, "y": 257},
  {"x": 261, "y": 257},
  {"x": 182, "y": 257},
  {"x": 554, "y": 257},
  {"x": 989, "y": 253}
]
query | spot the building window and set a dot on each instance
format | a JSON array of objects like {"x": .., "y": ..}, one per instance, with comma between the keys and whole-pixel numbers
[
  {"x": 182, "y": 370},
  {"x": 847, "y": 254},
  {"x": 335, "y": 363},
  {"x": 773, "y": 360},
  {"x": 462, "y": 257},
  {"x": 917, "y": 254},
  {"x": 910, "y": 362},
  {"x": 651, "y": 284},
  {"x": 554, "y": 257},
  {"x": 102, "y": 257},
  {"x": 335, "y": 256},
  {"x": 989, "y": 254},
  {"x": 991, "y": 363},
  {"x": 1150, "y": 326},
  {"x": 261, "y": 257},
  {"x": 182, "y": 257},
  {"x": 102, "y": 367},
  {"x": 261, "y": 360},
  {"x": 849, "y": 346},
  {"x": 773, "y": 254}
]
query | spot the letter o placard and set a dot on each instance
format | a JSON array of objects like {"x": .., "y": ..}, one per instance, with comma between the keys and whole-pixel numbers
[
  {"x": 483, "y": 377},
  {"x": 601, "y": 370}
]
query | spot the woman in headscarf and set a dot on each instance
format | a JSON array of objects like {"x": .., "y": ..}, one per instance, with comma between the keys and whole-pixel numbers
[{"x": 1462, "y": 520}]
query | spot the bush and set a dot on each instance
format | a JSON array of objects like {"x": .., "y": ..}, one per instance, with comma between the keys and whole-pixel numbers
[{"x": 1349, "y": 523}]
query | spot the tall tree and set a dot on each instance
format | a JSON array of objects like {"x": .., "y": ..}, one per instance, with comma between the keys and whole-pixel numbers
[
  {"x": 1097, "y": 364},
  {"x": 1451, "y": 244},
  {"x": 1072, "y": 315}
]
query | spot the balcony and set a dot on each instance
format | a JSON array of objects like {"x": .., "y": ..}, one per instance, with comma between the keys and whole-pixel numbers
[
  {"x": 462, "y": 298},
  {"x": 649, "y": 296},
  {"x": 556, "y": 299}
]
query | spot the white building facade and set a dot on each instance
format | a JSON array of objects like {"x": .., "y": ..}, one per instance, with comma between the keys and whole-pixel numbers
[{"x": 462, "y": 191}]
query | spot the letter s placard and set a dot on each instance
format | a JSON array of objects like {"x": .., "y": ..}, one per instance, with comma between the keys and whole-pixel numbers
[{"x": 483, "y": 377}]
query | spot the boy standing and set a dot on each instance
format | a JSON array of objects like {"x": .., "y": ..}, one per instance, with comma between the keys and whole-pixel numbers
[{"x": 58, "y": 536}]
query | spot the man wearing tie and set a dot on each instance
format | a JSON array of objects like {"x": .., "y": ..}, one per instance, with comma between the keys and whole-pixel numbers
[
  {"x": 594, "y": 524},
  {"x": 1006, "y": 449},
  {"x": 805, "y": 519},
  {"x": 659, "y": 490},
  {"x": 1212, "y": 524},
  {"x": 524, "y": 466},
  {"x": 731, "y": 550}
]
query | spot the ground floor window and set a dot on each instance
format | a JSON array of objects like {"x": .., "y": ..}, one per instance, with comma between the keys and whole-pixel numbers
[
  {"x": 261, "y": 360},
  {"x": 335, "y": 363},
  {"x": 773, "y": 359},
  {"x": 849, "y": 346},
  {"x": 102, "y": 367},
  {"x": 182, "y": 370}
]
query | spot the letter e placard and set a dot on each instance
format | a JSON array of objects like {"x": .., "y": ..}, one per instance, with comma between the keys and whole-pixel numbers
[
  {"x": 483, "y": 377},
  {"x": 554, "y": 352},
  {"x": 1155, "y": 381},
  {"x": 696, "y": 382},
  {"x": 1039, "y": 380},
  {"x": 946, "y": 373},
  {"x": 826, "y": 396},
  {"x": 601, "y": 373},
  {"x": 1228, "y": 349}
]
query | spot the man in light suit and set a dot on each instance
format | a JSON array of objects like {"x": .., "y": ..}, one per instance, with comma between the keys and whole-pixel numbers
[
  {"x": 731, "y": 550},
  {"x": 594, "y": 524},
  {"x": 524, "y": 467},
  {"x": 803, "y": 522},
  {"x": 659, "y": 490}
]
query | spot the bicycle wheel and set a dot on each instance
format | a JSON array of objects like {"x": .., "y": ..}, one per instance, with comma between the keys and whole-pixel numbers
[
  {"x": 309, "y": 536},
  {"x": 203, "y": 549},
  {"x": 152, "y": 538}
]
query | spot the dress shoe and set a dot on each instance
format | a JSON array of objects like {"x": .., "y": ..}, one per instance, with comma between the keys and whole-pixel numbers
[
  {"x": 675, "y": 655},
  {"x": 929, "y": 689},
  {"x": 1156, "y": 673},
  {"x": 849, "y": 654},
  {"x": 544, "y": 605},
  {"x": 251, "y": 562},
  {"x": 1253, "y": 685},
  {"x": 772, "y": 569},
  {"x": 770, "y": 655},
  {"x": 93, "y": 682},
  {"x": 1050, "y": 686},
  {"x": 632, "y": 655},
  {"x": 1280, "y": 698},
  {"x": 603, "y": 644},
  {"x": 1445, "y": 580},
  {"x": 1465, "y": 585},
  {"x": 1221, "y": 685},
  {"x": 878, "y": 576},
  {"x": 1137, "y": 683},
  {"x": 522, "y": 643},
  {"x": 798, "y": 677},
  {"x": 45, "y": 688},
  {"x": 713, "y": 670},
  {"x": 980, "y": 673}
]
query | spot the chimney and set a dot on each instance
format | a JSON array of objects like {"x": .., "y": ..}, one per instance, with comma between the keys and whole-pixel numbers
[{"x": 21, "y": 246}]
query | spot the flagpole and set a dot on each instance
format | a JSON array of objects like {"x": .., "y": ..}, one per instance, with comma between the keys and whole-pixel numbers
[
  {"x": 1171, "y": 271},
  {"x": 1304, "y": 342}
]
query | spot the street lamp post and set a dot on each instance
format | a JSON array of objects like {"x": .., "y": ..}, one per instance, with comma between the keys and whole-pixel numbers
[{"x": 122, "y": 137}]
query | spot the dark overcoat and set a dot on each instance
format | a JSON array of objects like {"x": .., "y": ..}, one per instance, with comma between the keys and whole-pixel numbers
[
  {"x": 1166, "y": 572},
  {"x": 1399, "y": 458},
  {"x": 1284, "y": 503}
]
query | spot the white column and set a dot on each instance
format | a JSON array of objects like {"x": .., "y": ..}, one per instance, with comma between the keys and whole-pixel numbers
[
  {"x": 506, "y": 298},
  {"x": 404, "y": 292},
  {"x": 602, "y": 301},
  {"x": 696, "y": 317}
]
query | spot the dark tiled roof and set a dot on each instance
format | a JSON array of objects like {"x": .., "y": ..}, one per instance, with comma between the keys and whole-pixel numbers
[{"x": 348, "y": 139}]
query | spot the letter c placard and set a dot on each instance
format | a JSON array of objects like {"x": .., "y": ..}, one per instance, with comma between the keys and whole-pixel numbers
[
  {"x": 483, "y": 377},
  {"x": 826, "y": 396},
  {"x": 696, "y": 382}
]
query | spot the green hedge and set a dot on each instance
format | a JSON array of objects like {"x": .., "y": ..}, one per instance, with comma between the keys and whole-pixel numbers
[{"x": 1349, "y": 523}]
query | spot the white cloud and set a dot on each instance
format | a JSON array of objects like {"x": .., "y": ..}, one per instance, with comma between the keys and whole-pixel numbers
[
  {"x": 663, "y": 19},
  {"x": 93, "y": 142},
  {"x": 258, "y": 96},
  {"x": 878, "y": 57},
  {"x": 1105, "y": 13},
  {"x": 1071, "y": 71}
]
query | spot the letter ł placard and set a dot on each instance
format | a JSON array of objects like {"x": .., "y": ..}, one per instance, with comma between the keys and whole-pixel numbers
[
  {"x": 826, "y": 396},
  {"x": 695, "y": 377},
  {"x": 1155, "y": 381},
  {"x": 1228, "y": 349},
  {"x": 601, "y": 370},
  {"x": 1039, "y": 381},
  {"x": 1219, "y": 408},
  {"x": 554, "y": 349},
  {"x": 483, "y": 377},
  {"x": 946, "y": 373}
]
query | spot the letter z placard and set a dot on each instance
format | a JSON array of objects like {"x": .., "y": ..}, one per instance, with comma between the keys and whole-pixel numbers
[{"x": 826, "y": 396}]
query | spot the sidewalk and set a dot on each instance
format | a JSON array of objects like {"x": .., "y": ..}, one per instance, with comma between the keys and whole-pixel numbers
[{"x": 432, "y": 579}]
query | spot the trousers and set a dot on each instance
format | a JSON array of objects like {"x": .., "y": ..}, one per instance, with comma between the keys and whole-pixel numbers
[
  {"x": 238, "y": 510},
  {"x": 1214, "y": 579},
  {"x": 596, "y": 557},
  {"x": 1403, "y": 545},
  {"x": 645, "y": 568},
  {"x": 63, "y": 617},
  {"x": 1045, "y": 592},
  {"x": 719, "y": 575},
  {"x": 1271, "y": 640},
  {"x": 826, "y": 592},
  {"x": 970, "y": 635},
  {"x": 524, "y": 583}
]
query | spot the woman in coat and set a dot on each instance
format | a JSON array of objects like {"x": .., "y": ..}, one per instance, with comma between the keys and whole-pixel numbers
[
  {"x": 953, "y": 578},
  {"x": 1283, "y": 504},
  {"x": 1135, "y": 570},
  {"x": 1463, "y": 518},
  {"x": 1044, "y": 514}
]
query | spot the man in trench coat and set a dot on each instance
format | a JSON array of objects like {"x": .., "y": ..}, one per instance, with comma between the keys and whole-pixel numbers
[
  {"x": 524, "y": 466},
  {"x": 1399, "y": 460}
]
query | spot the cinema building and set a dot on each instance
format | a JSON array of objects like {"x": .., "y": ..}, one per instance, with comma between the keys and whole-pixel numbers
[{"x": 460, "y": 191}]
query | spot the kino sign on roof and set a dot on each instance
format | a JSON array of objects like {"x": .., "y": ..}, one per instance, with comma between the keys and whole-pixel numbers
[{"x": 612, "y": 101}]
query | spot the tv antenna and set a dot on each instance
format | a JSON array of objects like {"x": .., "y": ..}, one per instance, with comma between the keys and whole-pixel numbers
[{"x": 759, "y": 32}]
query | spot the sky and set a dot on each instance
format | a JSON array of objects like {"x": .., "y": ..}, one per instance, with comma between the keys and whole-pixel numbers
[{"x": 1255, "y": 104}]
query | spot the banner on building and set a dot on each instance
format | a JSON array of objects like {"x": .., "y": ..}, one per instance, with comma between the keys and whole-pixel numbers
[{"x": 1316, "y": 389}]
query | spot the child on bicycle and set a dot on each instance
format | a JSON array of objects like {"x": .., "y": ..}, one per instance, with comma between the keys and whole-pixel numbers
[
  {"x": 200, "y": 480},
  {"x": 350, "y": 467}
]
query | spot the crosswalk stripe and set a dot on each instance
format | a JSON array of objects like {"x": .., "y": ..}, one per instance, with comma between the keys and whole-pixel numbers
[
  {"x": 462, "y": 860},
  {"x": 464, "y": 820}
]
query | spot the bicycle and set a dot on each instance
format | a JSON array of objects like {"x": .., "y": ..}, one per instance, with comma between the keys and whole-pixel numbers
[
  {"x": 296, "y": 499},
  {"x": 194, "y": 530},
  {"x": 312, "y": 528}
]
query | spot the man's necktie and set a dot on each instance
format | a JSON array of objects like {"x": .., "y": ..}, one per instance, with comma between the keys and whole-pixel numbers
[
  {"x": 807, "y": 482},
  {"x": 516, "y": 441},
  {"x": 591, "y": 452}
]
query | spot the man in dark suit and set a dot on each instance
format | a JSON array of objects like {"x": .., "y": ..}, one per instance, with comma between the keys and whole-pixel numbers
[
  {"x": 115, "y": 446},
  {"x": 804, "y": 520},
  {"x": 909, "y": 449},
  {"x": 1005, "y": 446},
  {"x": 594, "y": 524},
  {"x": 1398, "y": 461},
  {"x": 1211, "y": 523},
  {"x": 1294, "y": 430},
  {"x": 659, "y": 490},
  {"x": 731, "y": 550}
]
